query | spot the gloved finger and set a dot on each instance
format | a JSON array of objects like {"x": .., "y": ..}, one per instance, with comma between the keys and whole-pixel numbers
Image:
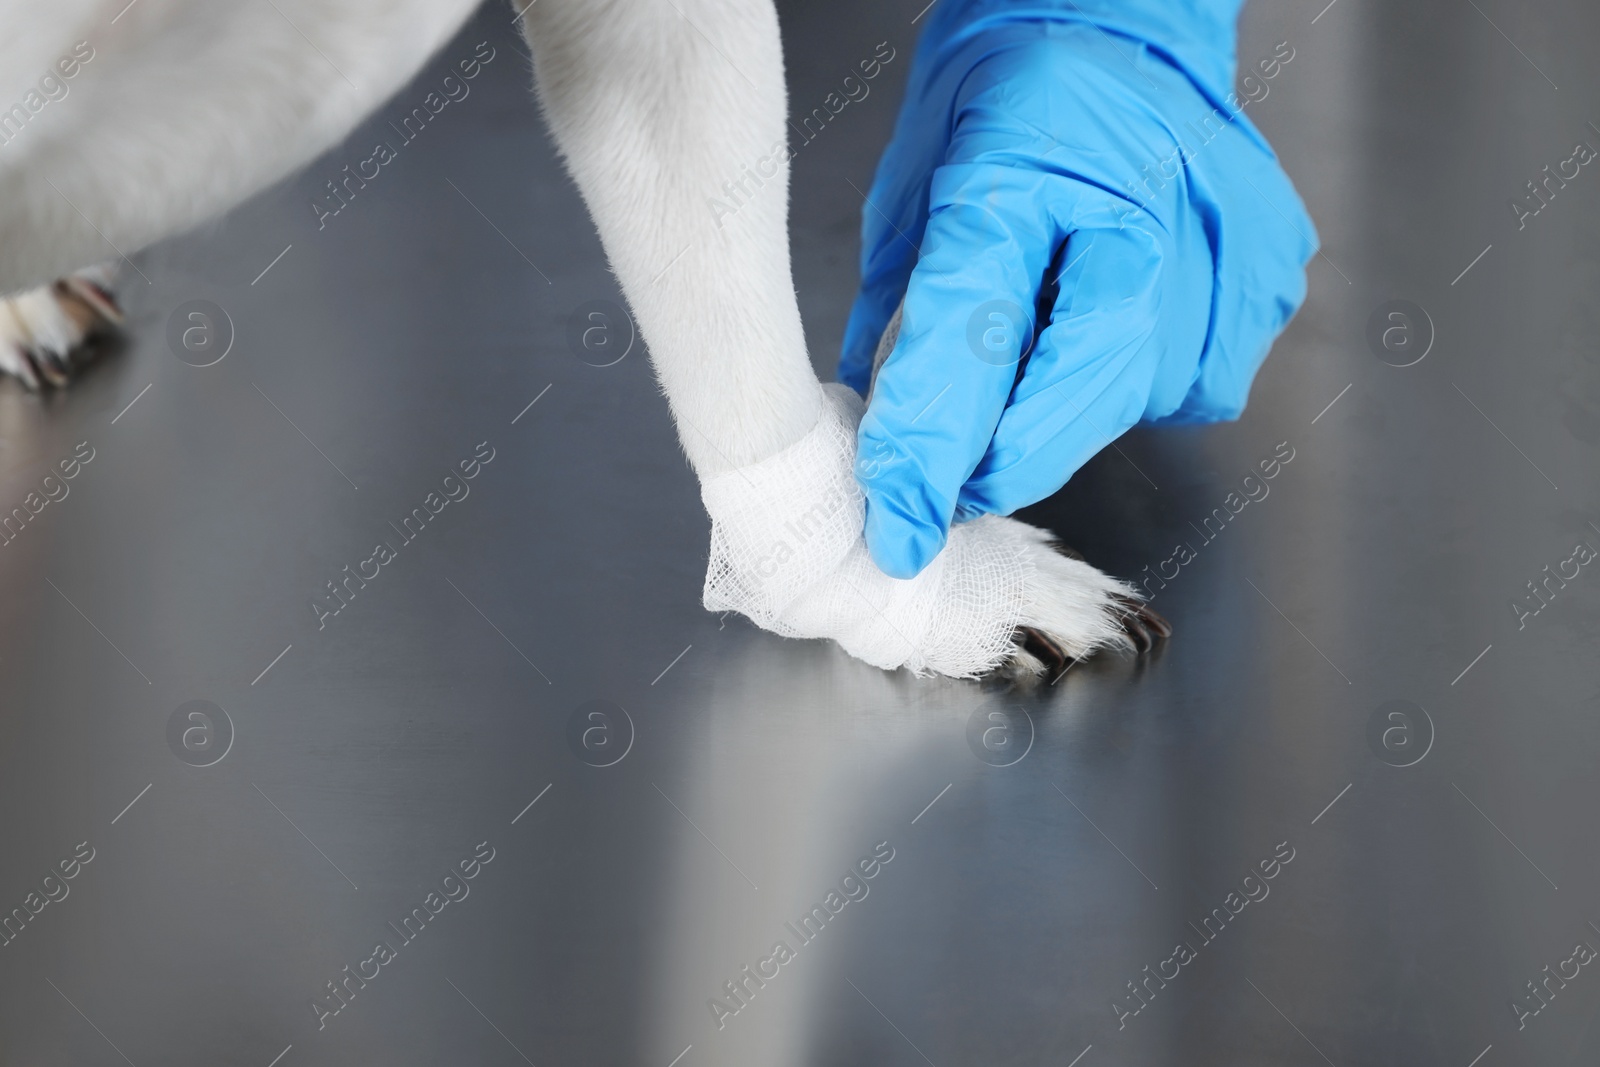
[
  {"x": 1266, "y": 241},
  {"x": 1090, "y": 375},
  {"x": 967, "y": 320}
]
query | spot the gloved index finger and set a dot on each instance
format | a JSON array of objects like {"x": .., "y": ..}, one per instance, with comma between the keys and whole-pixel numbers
[
  {"x": 968, "y": 320},
  {"x": 1092, "y": 371}
]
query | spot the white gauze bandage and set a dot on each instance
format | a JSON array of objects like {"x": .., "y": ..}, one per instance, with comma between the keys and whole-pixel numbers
[{"x": 787, "y": 551}]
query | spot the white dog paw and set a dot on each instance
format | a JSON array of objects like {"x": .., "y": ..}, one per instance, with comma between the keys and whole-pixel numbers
[
  {"x": 44, "y": 331},
  {"x": 787, "y": 551},
  {"x": 1080, "y": 611}
]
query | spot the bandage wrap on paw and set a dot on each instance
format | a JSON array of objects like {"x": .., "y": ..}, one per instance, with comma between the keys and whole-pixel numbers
[{"x": 787, "y": 551}]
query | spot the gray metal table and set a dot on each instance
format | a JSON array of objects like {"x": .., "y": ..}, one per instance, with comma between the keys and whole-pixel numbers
[{"x": 1240, "y": 850}]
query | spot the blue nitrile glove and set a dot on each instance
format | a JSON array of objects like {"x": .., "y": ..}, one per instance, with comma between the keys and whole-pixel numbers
[{"x": 1104, "y": 238}]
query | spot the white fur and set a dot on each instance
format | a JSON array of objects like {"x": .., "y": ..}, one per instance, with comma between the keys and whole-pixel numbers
[
  {"x": 652, "y": 109},
  {"x": 41, "y": 329},
  {"x": 190, "y": 106},
  {"x": 187, "y": 108}
]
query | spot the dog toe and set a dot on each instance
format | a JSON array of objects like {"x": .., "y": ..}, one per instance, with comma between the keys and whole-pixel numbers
[{"x": 45, "y": 331}]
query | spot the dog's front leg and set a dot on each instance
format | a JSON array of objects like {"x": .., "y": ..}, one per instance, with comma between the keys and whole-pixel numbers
[{"x": 670, "y": 114}]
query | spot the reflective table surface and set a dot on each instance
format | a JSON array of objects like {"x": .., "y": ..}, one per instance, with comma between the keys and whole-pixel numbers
[{"x": 520, "y": 800}]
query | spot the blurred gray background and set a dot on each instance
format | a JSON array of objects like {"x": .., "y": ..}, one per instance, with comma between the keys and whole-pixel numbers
[{"x": 1442, "y": 847}]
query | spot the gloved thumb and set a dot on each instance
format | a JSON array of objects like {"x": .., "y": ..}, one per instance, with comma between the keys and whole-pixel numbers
[{"x": 968, "y": 319}]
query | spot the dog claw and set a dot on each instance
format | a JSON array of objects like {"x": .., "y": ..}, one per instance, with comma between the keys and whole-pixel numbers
[
  {"x": 43, "y": 329},
  {"x": 101, "y": 301},
  {"x": 1042, "y": 648},
  {"x": 15, "y": 359},
  {"x": 50, "y": 365},
  {"x": 1144, "y": 625},
  {"x": 1155, "y": 621},
  {"x": 52, "y": 372},
  {"x": 1142, "y": 641},
  {"x": 1141, "y": 624}
]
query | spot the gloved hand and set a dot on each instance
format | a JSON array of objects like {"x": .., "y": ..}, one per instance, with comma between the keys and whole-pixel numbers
[{"x": 1104, "y": 238}]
